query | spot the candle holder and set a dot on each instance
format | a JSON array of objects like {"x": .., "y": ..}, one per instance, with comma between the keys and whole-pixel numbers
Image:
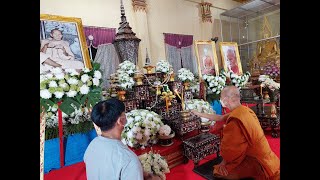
[
  {"x": 185, "y": 115},
  {"x": 138, "y": 78},
  {"x": 148, "y": 68},
  {"x": 166, "y": 140}
]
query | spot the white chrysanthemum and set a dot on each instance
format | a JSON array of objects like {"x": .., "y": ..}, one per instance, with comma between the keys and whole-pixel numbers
[
  {"x": 96, "y": 81},
  {"x": 60, "y": 76},
  {"x": 63, "y": 85},
  {"x": 49, "y": 76},
  {"x": 58, "y": 94},
  {"x": 73, "y": 81},
  {"x": 84, "y": 78},
  {"x": 71, "y": 93},
  {"x": 86, "y": 70},
  {"x": 84, "y": 89},
  {"x": 56, "y": 70},
  {"x": 53, "y": 84},
  {"x": 42, "y": 78},
  {"x": 45, "y": 94},
  {"x": 97, "y": 74},
  {"x": 139, "y": 136}
]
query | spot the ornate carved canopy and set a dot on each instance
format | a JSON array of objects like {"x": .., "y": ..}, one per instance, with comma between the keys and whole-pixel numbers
[{"x": 126, "y": 42}]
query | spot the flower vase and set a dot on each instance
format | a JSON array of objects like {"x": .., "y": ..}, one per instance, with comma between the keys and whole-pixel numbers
[
  {"x": 166, "y": 140},
  {"x": 186, "y": 85},
  {"x": 121, "y": 95}
]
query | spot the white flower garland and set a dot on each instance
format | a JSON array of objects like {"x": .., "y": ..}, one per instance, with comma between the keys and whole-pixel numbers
[
  {"x": 155, "y": 164},
  {"x": 142, "y": 128}
]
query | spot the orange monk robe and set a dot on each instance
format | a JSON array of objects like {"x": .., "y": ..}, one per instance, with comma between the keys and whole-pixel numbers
[{"x": 245, "y": 148}]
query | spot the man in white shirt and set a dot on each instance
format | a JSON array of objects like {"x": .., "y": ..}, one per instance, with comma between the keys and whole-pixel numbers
[{"x": 106, "y": 156}]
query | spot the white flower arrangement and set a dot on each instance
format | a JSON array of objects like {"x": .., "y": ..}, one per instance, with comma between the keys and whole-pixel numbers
[
  {"x": 58, "y": 84},
  {"x": 79, "y": 115},
  {"x": 165, "y": 130},
  {"x": 163, "y": 66},
  {"x": 268, "y": 82},
  {"x": 128, "y": 67},
  {"x": 201, "y": 106},
  {"x": 215, "y": 83},
  {"x": 124, "y": 80},
  {"x": 142, "y": 128},
  {"x": 155, "y": 164},
  {"x": 185, "y": 75},
  {"x": 239, "y": 81}
]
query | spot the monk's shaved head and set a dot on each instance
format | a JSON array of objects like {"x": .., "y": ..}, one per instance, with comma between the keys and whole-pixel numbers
[{"x": 232, "y": 92}]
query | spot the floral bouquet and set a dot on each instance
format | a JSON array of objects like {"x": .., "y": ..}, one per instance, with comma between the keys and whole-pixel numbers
[
  {"x": 163, "y": 66},
  {"x": 124, "y": 80},
  {"x": 128, "y": 67},
  {"x": 79, "y": 115},
  {"x": 267, "y": 82},
  {"x": 155, "y": 164},
  {"x": 185, "y": 75},
  {"x": 215, "y": 84},
  {"x": 71, "y": 88},
  {"x": 141, "y": 129},
  {"x": 272, "y": 70},
  {"x": 239, "y": 81},
  {"x": 201, "y": 106}
]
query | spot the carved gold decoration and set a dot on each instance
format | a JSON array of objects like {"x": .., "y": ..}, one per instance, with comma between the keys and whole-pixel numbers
[
  {"x": 149, "y": 68},
  {"x": 82, "y": 39},
  {"x": 139, "y": 5},
  {"x": 171, "y": 77},
  {"x": 138, "y": 78},
  {"x": 206, "y": 12}
]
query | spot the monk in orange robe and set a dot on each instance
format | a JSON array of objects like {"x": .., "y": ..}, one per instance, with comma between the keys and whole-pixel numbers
[{"x": 244, "y": 147}]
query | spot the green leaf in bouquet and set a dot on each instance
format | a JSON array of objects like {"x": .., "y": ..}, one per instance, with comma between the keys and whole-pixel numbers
[
  {"x": 96, "y": 66},
  {"x": 46, "y": 103},
  {"x": 66, "y": 105}
]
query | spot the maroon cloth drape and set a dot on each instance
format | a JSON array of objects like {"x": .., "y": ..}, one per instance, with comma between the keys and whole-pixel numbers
[
  {"x": 178, "y": 40},
  {"x": 101, "y": 35}
]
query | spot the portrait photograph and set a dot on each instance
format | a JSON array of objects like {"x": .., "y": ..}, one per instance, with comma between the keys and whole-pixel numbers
[
  {"x": 206, "y": 58},
  {"x": 62, "y": 43},
  {"x": 230, "y": 57}
]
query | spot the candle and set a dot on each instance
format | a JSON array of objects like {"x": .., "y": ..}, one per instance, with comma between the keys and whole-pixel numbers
[
  {"x": 176, "y": 91},
  {"x": 182, "y": 100}
]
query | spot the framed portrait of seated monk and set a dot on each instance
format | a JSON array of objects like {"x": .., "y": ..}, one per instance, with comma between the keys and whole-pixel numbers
[
  {"x": 230, "y": 57},
  {"x": 207, "y": 60},
  {"x": 62, "y": 43}
]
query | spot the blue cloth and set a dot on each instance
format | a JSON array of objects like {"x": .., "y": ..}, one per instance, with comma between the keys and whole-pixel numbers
[
  {"x": 216, "y": 105},
  {"x": 75, "y": 146},
  {"x": 110, "y": 159},
  {"x": 51, "y": 154}
]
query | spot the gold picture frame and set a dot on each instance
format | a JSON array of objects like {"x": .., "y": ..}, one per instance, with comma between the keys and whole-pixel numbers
[
  {"x": 72, "y": 32},
  {"x": 207, "y": 60},
  {"x": 230, "y": 49}
]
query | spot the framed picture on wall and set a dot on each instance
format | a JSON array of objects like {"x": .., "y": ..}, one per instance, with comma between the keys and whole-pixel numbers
[
  {"x": 62, "y": 43},
  {"x": 206, "y": 58},
  {"x": 230, "y": 57}
]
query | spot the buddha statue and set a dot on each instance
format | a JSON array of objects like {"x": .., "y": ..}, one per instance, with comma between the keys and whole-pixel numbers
[{"x": 267, "y": 51}]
